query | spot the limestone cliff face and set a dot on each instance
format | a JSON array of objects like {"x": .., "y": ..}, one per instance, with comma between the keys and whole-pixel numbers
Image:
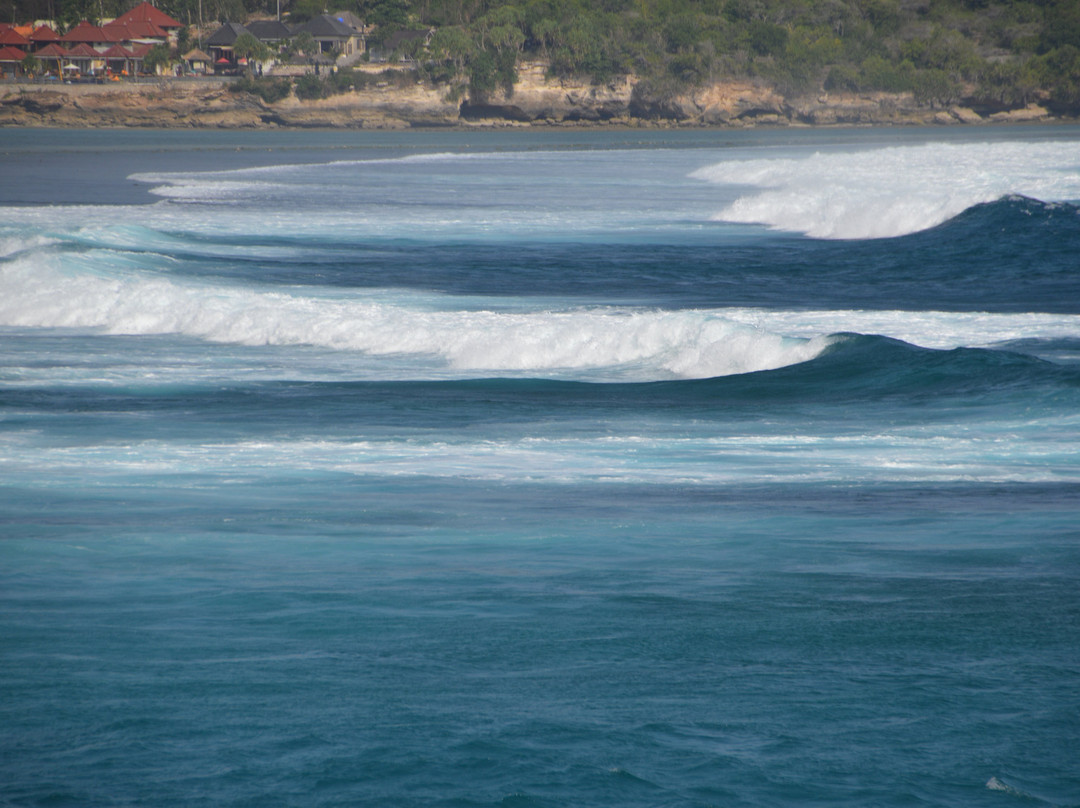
[
  {"x": 132, "y": 105},
  {"x": 720, "y": 103},
  {"x": 375, "y": 107},
  {"x": 539, "y": 99},
  {"x": 536, "y": 99}
]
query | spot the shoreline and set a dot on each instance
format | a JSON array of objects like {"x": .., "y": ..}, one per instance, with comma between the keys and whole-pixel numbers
[{"x": 535, "y": 102}]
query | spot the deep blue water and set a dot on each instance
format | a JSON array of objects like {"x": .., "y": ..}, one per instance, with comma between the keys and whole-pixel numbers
[{"x": 540, "y": 468}]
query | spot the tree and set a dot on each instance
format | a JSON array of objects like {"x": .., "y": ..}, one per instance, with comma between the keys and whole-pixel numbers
[
  {"x": 934, "y": 87},
  {"x": 388, "y": 14},
  {"x": 157, "y": 59},
  {"x": 304, "y": 10},
  {"x": 249, "y": 48},
  {"x": 767, "y": 39},
  {"x": 452, "y": 46},
  {"x": 30, "y": 64},
  {"x": 303, "y": 43},
  {"x": 183, "y": 40}
]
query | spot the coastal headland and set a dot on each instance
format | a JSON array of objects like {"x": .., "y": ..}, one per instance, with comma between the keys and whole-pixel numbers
[{"x": 537, "y": 99}]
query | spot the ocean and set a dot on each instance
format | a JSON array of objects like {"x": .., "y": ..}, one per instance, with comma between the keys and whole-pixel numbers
[{"x": 518, "y": 468}]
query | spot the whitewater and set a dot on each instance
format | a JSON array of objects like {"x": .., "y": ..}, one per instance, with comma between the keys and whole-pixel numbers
[{"x": 540, "y": 468}]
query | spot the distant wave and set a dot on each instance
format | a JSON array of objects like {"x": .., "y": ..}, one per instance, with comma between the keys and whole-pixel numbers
[
  {"x": 890, "y": 192},
  {"x": 206, "y": 186}
]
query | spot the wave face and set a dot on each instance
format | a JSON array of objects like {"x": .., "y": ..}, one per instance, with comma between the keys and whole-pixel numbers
[
  {"x": 436, "y": 331},
  {"x": 492, "y": 468},
  {"x": 884, "y": 193}
]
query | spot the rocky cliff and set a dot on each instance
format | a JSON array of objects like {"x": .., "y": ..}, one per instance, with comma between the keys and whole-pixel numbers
[{"x": 536, "y": 100}]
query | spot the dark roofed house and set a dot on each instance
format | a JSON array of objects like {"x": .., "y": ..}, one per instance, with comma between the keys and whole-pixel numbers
[
  {"x": 226, "y": 35},
  {"x": 220, "y": 44},
  {"x": 349, "y": 18},
  {"x": 398, "y": 40},
  {"x": 270, "y": 32},
  {"x": 334, "y": 35}
]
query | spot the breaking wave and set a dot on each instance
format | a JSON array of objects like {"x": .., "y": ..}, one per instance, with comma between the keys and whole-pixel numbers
[
  {"x": 890, "y": 192},
  {"x": 634, "y": 343}
]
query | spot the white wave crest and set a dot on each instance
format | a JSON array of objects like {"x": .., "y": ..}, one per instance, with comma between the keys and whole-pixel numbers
[
  {"x": 13, "y": 245},
  {"x": 997, "y": 452},
  {"x": 218, "y": 185},
  {"x": 890, "y": 192},
  {"x": 994, "y": 784},
  {"x": 631, "y": 343}
]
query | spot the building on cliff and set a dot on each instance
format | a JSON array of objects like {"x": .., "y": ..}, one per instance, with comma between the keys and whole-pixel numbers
[
  {"x": 89, "y": 48},
  {"x": 335, "y": 41}
]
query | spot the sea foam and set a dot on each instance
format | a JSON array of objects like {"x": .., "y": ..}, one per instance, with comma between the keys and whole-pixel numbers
[
  {"x": 466, "y": 337},
  {"x": 895, "y": 191},
  {"x": 628, "y": 343}
]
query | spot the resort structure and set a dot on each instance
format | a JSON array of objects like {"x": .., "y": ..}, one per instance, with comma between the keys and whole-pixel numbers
[
  {"x": 113, "y": 49},
  {"x": 120, "y": 47}
]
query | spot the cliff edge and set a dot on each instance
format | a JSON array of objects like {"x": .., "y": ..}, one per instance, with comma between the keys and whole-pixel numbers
[{"x": 536, "y": 99}]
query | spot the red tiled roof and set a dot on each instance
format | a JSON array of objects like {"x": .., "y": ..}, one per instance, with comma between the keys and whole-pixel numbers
[
  {"x": 144, "y": 12},
  {"x": 116, "y": 32},
  {"x": 14, "y": 38},
  {"x": 127, "y": 31},
  {"x": 44, "y": 33},
  {"x": 117, "y": 52},
  {"x": 83, "y": 50},
  {"x": 140, "y": 50},
  {"x": 85, "y": 32},
  {"x": 51, "y": 51},
  {"x": 9, "y": 54}
]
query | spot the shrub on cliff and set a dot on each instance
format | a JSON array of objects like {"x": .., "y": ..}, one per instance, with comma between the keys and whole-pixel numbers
[
  {"x": 310, "y": 87},
  {"x": 268, "y": 89}
]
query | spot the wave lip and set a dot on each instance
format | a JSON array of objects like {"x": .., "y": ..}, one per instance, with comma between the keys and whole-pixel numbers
[
  {"x": 884, "y": 193},
  {"x": 616, "y": 343}
]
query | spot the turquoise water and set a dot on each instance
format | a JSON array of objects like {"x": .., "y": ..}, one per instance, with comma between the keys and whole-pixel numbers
[{"x": 550, "y": 468}]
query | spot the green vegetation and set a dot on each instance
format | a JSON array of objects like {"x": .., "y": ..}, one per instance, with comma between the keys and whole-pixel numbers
[
  {"x": 31, "y": 65},
  {"x": 268, "y": 89},
  {"x": 158, "y": 57},
  {"x": 251, "y": 49},
  {"x": 310, "y": 87},
  {"x": 994, "y": 53}
]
